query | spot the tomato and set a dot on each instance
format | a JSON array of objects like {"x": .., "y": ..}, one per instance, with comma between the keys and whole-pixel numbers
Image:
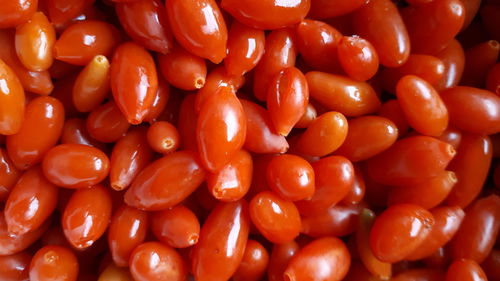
[
  {"x": 291, "y": 177},
  {"x": 278, "y": 261},
  {"x": 267, "y": 14},
  {"x": 92, "y": 84},
  {"x": 182, "y": 69},
  {"x": 464, "y": 270},
  {"x": 15, "y": 267},
  {"x": 11, "y": 101},
  {"x": 16, "y": 12},
  {"x": 12, "y": 244},
  {"x": 245, "y": 48},
  {"x": 334, "y": 256},
  {"x": 222, "y": 242},
  {"x": 358, "y": 57},
  {"x": 178, "y": 226},
  {"x": 254, "y": 262},
  {"x": 61, "y": 11},
  {"x": 328, "y": 9},
  {"x": 163, "y": 137},
  {"x": 9, "y": 175},
  {"x": 404, "y": 227},
  {"x": 339, "y": 220},
  {"x": 479, "y": 59},
  {"x": 199, "y": 27},
  {"x": 453, "y": 58}
]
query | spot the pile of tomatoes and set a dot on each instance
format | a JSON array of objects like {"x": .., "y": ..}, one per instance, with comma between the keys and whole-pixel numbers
[{"x": 248, "y": 140}]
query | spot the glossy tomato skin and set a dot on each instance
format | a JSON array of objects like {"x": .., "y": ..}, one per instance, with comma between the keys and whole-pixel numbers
[
  {"x": 166, "y": 182},
  {"x": 30, "y": 203},
  {"x": 261, "y": 137},
  {"x": 391, "y": 110},
  {"x": 12, "y": 244},
  {"x": 358, "y": 57},
  {"x": 233, "y": 181},
  {"x": 447, "y": 222},
  {"x": 34, "y": 42},
  {"x": 380, "y": 23},
  {"x": 61, "y": 12},
  {"x": 493, "y": 79},
  {"x": 367, "y": 136},
  {"x": 287, "y": 99},
  {"x": 217, "y": 256},
  {"x": 447, "y": 15},
  {"x": 453, "y": 57},
  {"x": 107, "y": 123},
  {"x": 423, "y": 107},
  {"x": 127, "y": 230},
  {"x": 15, "y": 267},
  {"x": 339, "y": 220},
  {"x": 476, "y": 236},
  {"x": 324, "y": 135},
  {"x": 334, "y": 92},
  {"x": 163, "y": 137},
  {"x": 327, "y": 9},
  {"x": 177, "y": 227},
  {"x": 331, "y": 251},
  {"x": 87, "y": 216},
  {"x": 40, "y": 131},
  {"x": 470, "y": 179},
  {"x": 291, "y": 177},
  {"x": 479, "y": 59},
  {"x": 245, "y": 48},
  {"x": 411, "y": 161},
  {"x": 17, "y": 12},
  {"x": 9, "y": 175},
  {"x": 268, "y": 14},
  {"x": 75, "y": 165},
  {"x": 473, "y": 110},
  {"x": 404, "y": 227},
  {"x": 11, "y": 101},
  {"x": 280, "y": 52},
  {"x": 317, "y": 43},
  {"x": 160, "y": 102},
  {"x": 199, "y": 27},
  {"x": 134, "y": 81},
  {"x": 217, "y": 79},
  {"x": 54, "y": 262},
  {"x": 153, "y": 261},
  {"x": 221, "y": 129},
  {"x": 84, "y": 40},
  {"x": 254, "y": 263},
  {"x": 278, "y": 261},
  {"x": 146, "y": 22},
  {"x": 334, "y": 176},
  {"x": 92, "y": 86},
  {"x": 278, "y": 220},
  {"x": 75, "y": 131},
  {"x": 464, "y": 270}
]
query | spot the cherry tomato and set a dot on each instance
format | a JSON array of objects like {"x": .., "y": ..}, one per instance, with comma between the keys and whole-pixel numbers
[
  {"x": 84, "y": 40},
  {"x": 87, "y": 216},
  {"x": 245, "y": 47},
  {"x": 400, "y": 230},
  {"x": 30, "y": 203},
  {"x": 358, "y": 57},
  {"x": 392, "y": 111},
  {"x": 267, "y": 14},
  {"x": 166, "y": 182},
  {"x": 62, "y": 11},
  {"x": 11, "y": 101},
  {"x": 15, "y": 267},
  {"x": 333, "y": 254},
  {"x": 115, "y": 273},
  {"x": 182, "y": 69},
  {"x": 75, "y": 131},
  {"x": 178, "y": 227},
  {"x": 453, "y": 58},
  {"x": 127, "y": 230},
  {"x": 11, "y": 244},
  {"x": 337, "y": 93},
  {"x": 34, "y": 42},
  {"x": 40, "y": 131},
  {"x": 493, "y": 79},
  {"x": 153, "y": 261},
  {"x": 278, "y": 220},
  {"x": 54, "y": 263},
  {"x": 278, "y": 261},
  {"x": 199, "y": 27},
  {"x": 233, "y": 181},
  {"x": 163, "y": 137},
  {"x": 380, "y": 23},
  {"x": 75, "y": 165},
  {"x": 479, "y": 59},
  {"x": 134, "y": 81},
  {"x": 222, "y": 242},
  {"x": 221, "y": 129},
  {"x": 328, "y": 9},
  {"x": 339, "y": 220},
  {"x": 9, "y": 175}
]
